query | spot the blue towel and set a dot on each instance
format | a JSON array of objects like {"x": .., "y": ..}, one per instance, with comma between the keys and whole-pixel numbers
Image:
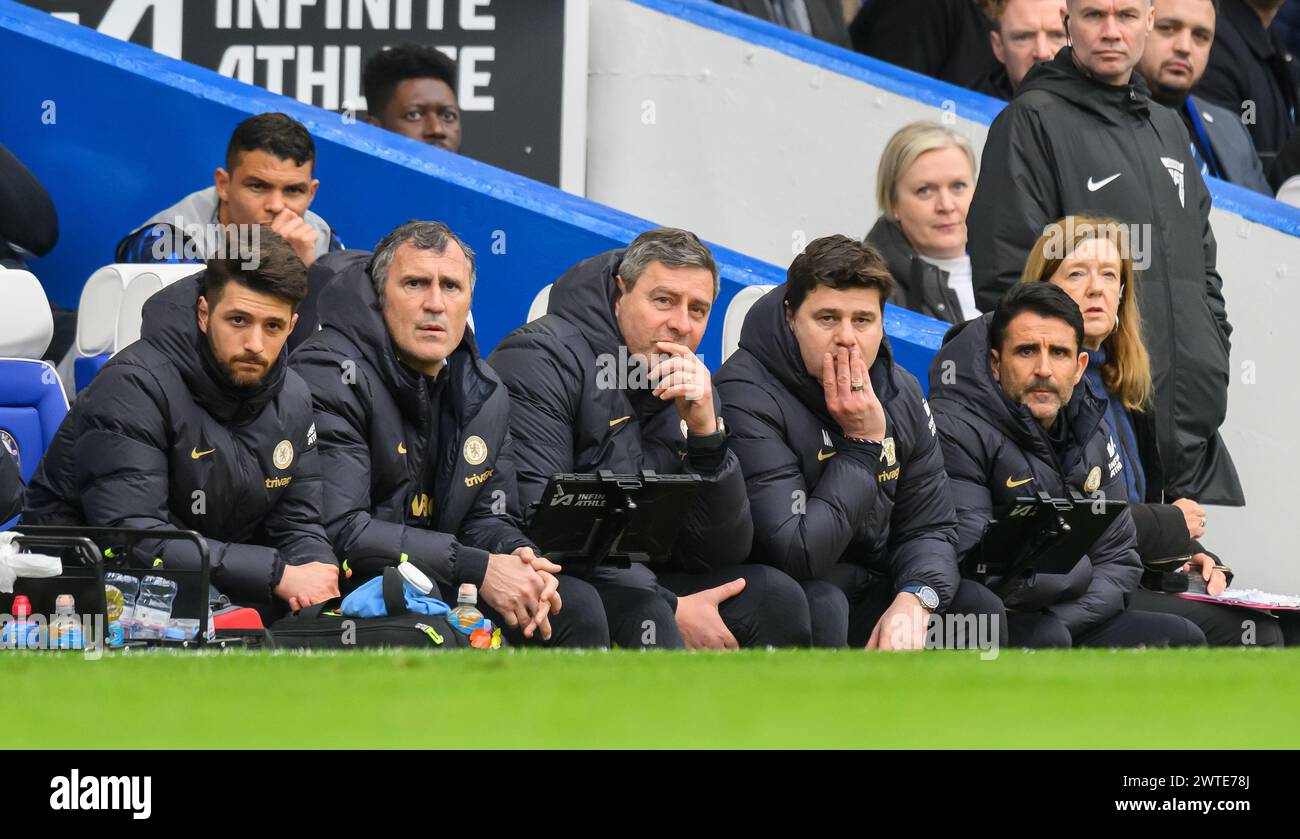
[{"x": 368, "y": 601}]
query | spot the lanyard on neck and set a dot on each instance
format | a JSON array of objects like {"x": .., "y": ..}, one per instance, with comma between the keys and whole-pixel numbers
[{"x": 1207, "y": 151}]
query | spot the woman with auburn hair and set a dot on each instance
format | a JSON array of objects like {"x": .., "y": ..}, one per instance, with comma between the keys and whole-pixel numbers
[{"x": 1091, "y": 259}]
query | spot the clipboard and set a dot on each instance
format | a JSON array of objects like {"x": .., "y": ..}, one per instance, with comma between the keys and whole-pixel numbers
[
  {"x": 585, "y": 520},
  {"x": 1041, "y": 534}
]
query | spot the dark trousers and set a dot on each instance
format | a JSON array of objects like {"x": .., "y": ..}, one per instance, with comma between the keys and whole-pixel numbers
[
  {"x": 846, "y": 607},
  {"x": 636, "y": 610},
  {"x": 828, "y": 609},
  {"x": 1224, "y": 626},
  {"x": 579, "y": 623},
  {"x": 771, "y": 611},
  {"x": 1129, "y": 628}
]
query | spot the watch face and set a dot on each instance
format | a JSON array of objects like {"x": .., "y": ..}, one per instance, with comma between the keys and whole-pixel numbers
[{"x": 929, "y": 598}]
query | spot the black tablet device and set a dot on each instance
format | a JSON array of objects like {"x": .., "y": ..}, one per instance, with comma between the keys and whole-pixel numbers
[
  {"x": 588, "y": 520},
  {"x": 1041, "y": 534}
]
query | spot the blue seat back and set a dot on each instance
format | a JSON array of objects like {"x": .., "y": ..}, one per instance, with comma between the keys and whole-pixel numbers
[{"x": 32, "y": 405}]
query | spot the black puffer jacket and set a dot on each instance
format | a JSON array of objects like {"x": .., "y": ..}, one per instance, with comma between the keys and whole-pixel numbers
[
  {"x": 919, "y": 286},
  {"x": 1068, "y": 144},
  {"x": 995, "y": 451},
  {"x": 397, "y": 478},
  {"x": 11, "y": 487},
  {"x": 565, "y": 417},
  {"x": 160, "y": 439},
  {"x": 818, "y": 497},
  {"x": 1251, "y": 74}
]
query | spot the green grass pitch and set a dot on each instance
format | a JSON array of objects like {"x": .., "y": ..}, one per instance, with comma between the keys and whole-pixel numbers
[{"x": 1045, "y": 699}]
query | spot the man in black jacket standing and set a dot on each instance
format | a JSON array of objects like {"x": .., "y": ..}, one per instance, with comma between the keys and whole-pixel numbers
[
  {"x": 1015, "y": 419},
  {"x": 1084, "y": 135},
  {"x": 414, "y": 437},
  {"x": 844, "y": 474},
  {"x": 1173, "y": 62},
  {"x": 609, "y": 380},
  {"x": 1251, "y": 74},
  {"x": 202, "y": 425}
]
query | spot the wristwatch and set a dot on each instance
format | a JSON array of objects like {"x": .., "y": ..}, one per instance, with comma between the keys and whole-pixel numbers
[
  {"x": 929, "y": 597},
  {"x": 719, "y": 435}
]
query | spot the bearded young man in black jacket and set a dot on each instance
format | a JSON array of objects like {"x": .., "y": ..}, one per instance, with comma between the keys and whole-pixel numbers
[
  {"x": 1015, "y": 419},
  {"x": 1083, "y": 136},
  {"x": 608, "y": 379},
  {"x": 201, "y": 425},
  {"x": 414, "y": 437},
  {"x": 844, "y": 474}
]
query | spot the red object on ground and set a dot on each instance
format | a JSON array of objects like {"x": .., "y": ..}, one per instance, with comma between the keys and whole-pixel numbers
[{"x": 237, "y": 617}]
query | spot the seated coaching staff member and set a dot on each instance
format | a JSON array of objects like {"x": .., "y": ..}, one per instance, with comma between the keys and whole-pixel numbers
[
  {"x": 1015, "y": 419},
  {"x": 819, "y": 414},
  {"x": 414, "y": 442},
  {"x": 609, "y": 379},
  {"x": 201, "y": 425}
]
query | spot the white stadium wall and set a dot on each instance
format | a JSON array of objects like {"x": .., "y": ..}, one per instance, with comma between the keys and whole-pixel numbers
[
  {"x": 738, "y": 142},
  {"x": 1261, "y": 270},
  {"x": 761, "y": 140}
]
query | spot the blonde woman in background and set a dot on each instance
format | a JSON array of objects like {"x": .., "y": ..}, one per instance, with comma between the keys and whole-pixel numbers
[{"x": 924, "y": 186}]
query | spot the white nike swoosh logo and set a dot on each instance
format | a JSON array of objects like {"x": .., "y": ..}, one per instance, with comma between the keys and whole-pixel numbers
[{"x": 1093, "y": 186}]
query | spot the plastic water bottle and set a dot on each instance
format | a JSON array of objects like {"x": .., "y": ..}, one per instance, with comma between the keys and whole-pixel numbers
[
  {"x": 466, "y": 617},
  {"x": 129, "y": 587},
  {"x": 113, "y": 615},
  {"x": 65, "y": 629},
  {"x": 181, "y": 629},
  {"x": 154, "y": 607}
]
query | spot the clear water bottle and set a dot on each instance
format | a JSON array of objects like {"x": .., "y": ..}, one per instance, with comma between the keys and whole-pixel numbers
[
  {"x": 129, "y": 587},
  {"x": 466, "y": 617},
  {"x": 181, "y": 629},
  {"x": 113, "y": 614},
  {"x": 154, "y": 607},
  {"x": 65, "y": 628}
]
